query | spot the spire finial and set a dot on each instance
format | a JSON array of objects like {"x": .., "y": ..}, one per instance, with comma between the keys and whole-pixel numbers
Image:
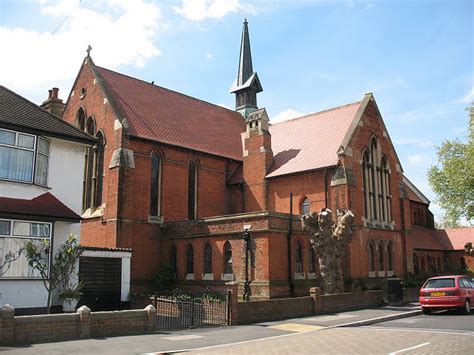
[{"x": 88, "y": 50}]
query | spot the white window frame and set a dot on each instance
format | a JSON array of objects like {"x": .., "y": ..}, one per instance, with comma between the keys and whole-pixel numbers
[
  {"x": 35, "y": 151},
  {"x": 30, "y": 237}
]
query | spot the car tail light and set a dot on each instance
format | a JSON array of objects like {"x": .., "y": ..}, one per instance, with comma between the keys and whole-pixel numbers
[{"x": 424, "y": 294}]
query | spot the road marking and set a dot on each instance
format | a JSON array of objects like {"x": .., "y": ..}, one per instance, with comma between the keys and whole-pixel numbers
[
  {"x": 412, "y": 348},
  {"x": 295, "y": 327},
  {"x": 183, "y": 337},
  {"x": 329, "y": 318},
  {"x": 424, "y": 330}
]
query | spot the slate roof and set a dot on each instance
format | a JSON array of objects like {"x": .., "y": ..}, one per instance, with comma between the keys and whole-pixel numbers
[
  {"x": 310, "y": 142},
  {"x": 166, "y": 116},
  {"x": 16, "y": 112},
  {"x": 45, "y": 205}
]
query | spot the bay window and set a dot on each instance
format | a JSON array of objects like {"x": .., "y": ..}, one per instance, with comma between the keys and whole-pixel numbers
[
  {"x": 23, "y": 157},
  {"x": 14, "y": 235}
]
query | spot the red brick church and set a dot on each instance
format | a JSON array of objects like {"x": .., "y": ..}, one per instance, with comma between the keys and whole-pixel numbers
[{"x": 175, "y": 179}]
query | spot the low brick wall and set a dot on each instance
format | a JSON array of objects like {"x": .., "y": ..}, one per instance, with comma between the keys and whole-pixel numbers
[
  {"x": 81, "y": 325},
  {"x": 274, "y": 309},
  {"x": 348, "y": 301}
]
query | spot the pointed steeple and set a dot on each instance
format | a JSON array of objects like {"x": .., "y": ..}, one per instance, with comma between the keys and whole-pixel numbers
[{"x": 247, "y": 84}]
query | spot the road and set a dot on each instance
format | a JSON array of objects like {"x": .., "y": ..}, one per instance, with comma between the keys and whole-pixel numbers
[{"x": 443, "y": 333}]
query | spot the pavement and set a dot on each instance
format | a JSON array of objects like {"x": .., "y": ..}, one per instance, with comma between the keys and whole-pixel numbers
[{"x": 200, "y": 338}]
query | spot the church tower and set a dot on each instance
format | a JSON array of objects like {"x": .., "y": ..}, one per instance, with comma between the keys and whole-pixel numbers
[{"x": 247, "y": 84}]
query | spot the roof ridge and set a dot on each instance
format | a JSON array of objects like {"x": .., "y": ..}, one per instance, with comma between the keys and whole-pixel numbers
[
  {"x": 317, "y": 112},
  {"x": 47, "y": 112},
  {"x": 167, "y": 89}
]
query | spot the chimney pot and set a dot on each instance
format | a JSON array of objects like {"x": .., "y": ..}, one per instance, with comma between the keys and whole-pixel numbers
[
  {"x": 55, "y": 93},
  {"x": 50, "y": 93}
]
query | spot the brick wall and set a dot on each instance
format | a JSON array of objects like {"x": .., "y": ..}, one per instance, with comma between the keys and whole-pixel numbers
[{"x": 81, "y": 325}]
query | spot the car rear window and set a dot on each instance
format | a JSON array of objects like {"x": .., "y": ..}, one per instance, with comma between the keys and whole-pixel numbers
[{"x": 439, "y": 283}]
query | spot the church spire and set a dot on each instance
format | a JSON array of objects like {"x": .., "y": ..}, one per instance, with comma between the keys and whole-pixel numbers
[{"x": 247, "y": 84}]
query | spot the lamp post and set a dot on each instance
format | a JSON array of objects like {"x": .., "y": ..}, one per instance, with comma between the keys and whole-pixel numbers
[{"x": 246, "y": 238}]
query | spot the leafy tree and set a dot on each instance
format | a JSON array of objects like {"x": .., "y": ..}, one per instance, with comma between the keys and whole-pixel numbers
[
  {"x": 62, "y": 267},
  {"x": 453, "y": 179}
]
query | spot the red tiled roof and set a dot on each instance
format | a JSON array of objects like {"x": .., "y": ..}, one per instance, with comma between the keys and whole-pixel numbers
[
  {"x": 45, "y": 205},
  {"x": 167, "y": 116},
  {"x": 455, "y": 238},
  {"x": 441, "y": 239},
  {"x": 310, "y": 142}
]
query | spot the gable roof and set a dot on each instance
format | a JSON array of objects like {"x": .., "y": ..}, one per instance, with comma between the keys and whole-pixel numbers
[
  {"x": 45, "y": 205},
  {"x": 18, "y": 113},
  {"x": 162, "y": 115},
  {"x": 310, "y": 142},
  {"x": 413, "y": 193},
  {"x": 442, "y": 239}
]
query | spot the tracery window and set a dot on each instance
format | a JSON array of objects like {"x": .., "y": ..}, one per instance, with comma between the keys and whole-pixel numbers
[
  {"x": 94, "y": 163},
  {"x": 208, "y": 259},
  {"x": 155, "y": 183},
  {"x": 192, "y": 190},
  {"x": 189, "y": 259},
  {"x": 228, "y": 258},
  {"x": 376, "y": 184},
  {"x": 305, "y": 206}
]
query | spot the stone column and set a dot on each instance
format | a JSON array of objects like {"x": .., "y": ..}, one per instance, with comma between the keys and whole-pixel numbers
[
  {"x": 151, "y": 315},
  {"x": 233, "y": 302},
  {"x": 315, "y": 293},
  {"x": 84, "y": 322}
]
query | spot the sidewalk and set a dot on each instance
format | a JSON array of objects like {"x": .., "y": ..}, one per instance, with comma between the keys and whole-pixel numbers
[{"x": 202, "y": 337}]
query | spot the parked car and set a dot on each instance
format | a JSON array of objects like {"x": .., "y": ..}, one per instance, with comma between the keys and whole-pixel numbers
[{"x": 447, "y": 292}]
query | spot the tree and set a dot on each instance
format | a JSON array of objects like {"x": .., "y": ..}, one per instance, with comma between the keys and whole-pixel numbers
[
  {"x": 453, "y": 179},
  {"x": 329, "y": 240},
  {"x": 57, "y": 272}
]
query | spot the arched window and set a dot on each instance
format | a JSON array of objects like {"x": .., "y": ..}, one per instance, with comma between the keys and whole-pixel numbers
[
  {"x": 192, "y": 190},
  {"x": 312, "y": 261},
  {"x": 365, "y": 184},
  {"x": 373, "y": 178},
  {"x": 155, "y": 181},
  {"x": 390, "y": 256},
  {"x": 386, "y": 191},
  {"x": 305, "y": 206},
  {"x": 299, "y": 258},
  {"x": 189, "y": 259},
  {"x": 228, "y": 258},
  {"x": 371, "y": 250},
  {"x": 208, "y": 259},
  {"x": 93, "y": 179},
  {"x": 380, "y": 256},
  {"x": 174, "y": 259}
]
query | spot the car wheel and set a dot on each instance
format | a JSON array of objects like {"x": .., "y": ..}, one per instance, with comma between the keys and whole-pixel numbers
[
  {"x": 426, "y": 311},
  {"x": 467, "y": 307}
]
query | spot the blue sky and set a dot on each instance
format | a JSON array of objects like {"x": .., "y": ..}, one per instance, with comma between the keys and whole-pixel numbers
[{"x": 415, "y": 56}]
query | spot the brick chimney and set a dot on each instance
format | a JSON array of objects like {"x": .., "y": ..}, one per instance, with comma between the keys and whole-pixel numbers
[
  {"x": 54, "y": 104},
  {"x": 257, "y": 159}
]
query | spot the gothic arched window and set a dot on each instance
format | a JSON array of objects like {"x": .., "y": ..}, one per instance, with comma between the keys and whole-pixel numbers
[
  {"x": 228, "y": 258},
  {"x": 208, "y": 259},
  {"x": 305, "y": 206},
  {"x": 373, "y": 178},
  {"x": 192, "y": 190},
  {"x": 390, "y": 256},
  {"x": 189, "y": 259},
  {"x": 365, "y": 184},
  {"x": 380, "y": 256},
  {"x": 299, "y": 258},
  {"x": 155, "y": 182},
  {"x": 312, "y": 260},
  {"x": 371, "y": 253}
]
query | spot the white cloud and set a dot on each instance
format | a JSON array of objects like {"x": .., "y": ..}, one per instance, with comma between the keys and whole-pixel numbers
[
  {"x": 417, "y": 142},
  {"x": 209, "y": 56},
  {"x": 198, "y": 10},
  {"x": 468, "y": 98},
  {"x": 121, "y": 33},
  {"x": 416, "y": 159},
  {"x": 286, "y": 115}
]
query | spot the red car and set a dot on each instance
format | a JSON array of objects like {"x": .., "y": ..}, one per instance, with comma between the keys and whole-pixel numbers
[{"x": 447, "y": 292}]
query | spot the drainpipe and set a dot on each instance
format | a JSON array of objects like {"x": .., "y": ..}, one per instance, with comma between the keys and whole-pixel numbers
[{"x": 288, "y": 242}]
